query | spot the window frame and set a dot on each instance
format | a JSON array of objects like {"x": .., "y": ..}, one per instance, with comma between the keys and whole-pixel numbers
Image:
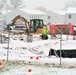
[{"x": 69, "y": 16}]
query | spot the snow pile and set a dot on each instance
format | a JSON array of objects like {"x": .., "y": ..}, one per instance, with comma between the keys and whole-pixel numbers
[
  {"x": 21, "y": 50},
  {"x": 36, "y": 53}
]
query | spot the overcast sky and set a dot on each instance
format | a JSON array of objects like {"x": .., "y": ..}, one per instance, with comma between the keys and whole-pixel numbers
[{"x": 48, "y": 4}]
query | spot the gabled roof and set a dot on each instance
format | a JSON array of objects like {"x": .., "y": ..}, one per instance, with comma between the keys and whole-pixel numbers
[
  {"x": 29, "y": 11},
  {"x": 32, "y": 11},
  {"x": 60, "y": 12},
  {"x": 71, "y": 10}
]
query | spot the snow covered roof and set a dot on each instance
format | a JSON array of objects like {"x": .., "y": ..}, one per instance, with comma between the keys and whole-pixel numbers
[
  {"x": 32, "y": 11},
  {"x": 60, "y": 12},
  {"x": 29, "y": 11},
  {"x": 71, "y": 10}
]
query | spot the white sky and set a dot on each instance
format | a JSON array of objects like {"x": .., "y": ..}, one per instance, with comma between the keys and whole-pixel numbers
[{"x": 48, "y": 4}]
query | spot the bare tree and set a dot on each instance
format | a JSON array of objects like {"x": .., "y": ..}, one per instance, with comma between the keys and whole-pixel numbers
[
  {"x": 71, "y": 3},
  {"x": 17, "y": 4},
  {"x": 2, "y": 3}
]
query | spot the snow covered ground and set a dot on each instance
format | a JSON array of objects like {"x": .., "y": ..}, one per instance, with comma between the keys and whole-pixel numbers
[
  {"x": 39, "y": 70},
  {"x": 36, "y": 53}
]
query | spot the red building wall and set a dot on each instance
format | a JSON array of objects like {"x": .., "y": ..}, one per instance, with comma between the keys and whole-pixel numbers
[
  {"x": 53, "y": 28},
  {"x": 71, "y": 29}
]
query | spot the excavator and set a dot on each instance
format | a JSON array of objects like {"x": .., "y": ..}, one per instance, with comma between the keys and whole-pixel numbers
[{"x": 35, "y": 26}]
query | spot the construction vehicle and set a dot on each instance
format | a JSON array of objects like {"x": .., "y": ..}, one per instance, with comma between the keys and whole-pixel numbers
[{"x": 35, "y": 26}]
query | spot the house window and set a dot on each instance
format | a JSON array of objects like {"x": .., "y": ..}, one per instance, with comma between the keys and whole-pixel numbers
[
  {"x": 48, "y": 17},
  {"x": 34, "y": 16},
  {"x": 69, "y": 16},
  {"x": 38, "y": 16},
  {"x": 30, "y": 16}
]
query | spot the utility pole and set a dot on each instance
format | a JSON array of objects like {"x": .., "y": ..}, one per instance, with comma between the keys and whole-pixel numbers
[
  {"x": 6, "y": 6},
  {"x": 8, "y": 42},
  {"x": 61, "y": 47}
]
